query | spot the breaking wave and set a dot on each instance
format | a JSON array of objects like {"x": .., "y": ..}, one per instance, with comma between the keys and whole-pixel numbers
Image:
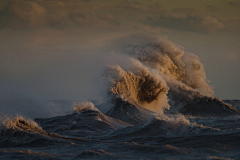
[
  {"x": 163, "y": 76},
  {"x": 142, "y": 88},
  {"x": 21, "y": 131}
]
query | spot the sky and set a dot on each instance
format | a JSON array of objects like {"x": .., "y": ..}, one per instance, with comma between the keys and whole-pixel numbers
[{"x": 56, "y": 49}]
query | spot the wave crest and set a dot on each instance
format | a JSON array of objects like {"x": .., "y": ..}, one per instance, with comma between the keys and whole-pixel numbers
[{"x": 141, "y": 88}]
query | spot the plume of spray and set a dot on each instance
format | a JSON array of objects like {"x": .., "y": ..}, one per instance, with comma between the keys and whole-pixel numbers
[
  {"x": 162, "y": 75},
  {"x": 174, "y": 63}
]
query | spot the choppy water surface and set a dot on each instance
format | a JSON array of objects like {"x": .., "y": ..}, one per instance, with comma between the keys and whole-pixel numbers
[{"x": 87, "y": 133}]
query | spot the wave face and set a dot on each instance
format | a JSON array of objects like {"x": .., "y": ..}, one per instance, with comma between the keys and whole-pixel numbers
[{"x": 159, "y": 104}]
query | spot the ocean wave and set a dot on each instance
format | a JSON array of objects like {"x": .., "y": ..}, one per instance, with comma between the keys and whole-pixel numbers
[
  {"x": 20, "y": 131},
  {"x": 162, "y": 77},
  {"x": 86, "y": 120}
]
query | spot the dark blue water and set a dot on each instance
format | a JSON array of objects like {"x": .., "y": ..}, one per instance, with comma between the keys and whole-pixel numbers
[{"x": 134, "y": 133}]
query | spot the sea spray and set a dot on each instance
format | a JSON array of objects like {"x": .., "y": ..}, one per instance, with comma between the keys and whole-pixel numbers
[{"x": 162, "y": 76}]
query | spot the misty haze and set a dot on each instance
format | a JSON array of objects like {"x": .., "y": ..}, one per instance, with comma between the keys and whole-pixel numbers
[{"x": 119, "y": 79}]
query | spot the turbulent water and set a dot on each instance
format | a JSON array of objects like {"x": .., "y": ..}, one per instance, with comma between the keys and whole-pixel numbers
[{"x": 159, "y": 106}]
